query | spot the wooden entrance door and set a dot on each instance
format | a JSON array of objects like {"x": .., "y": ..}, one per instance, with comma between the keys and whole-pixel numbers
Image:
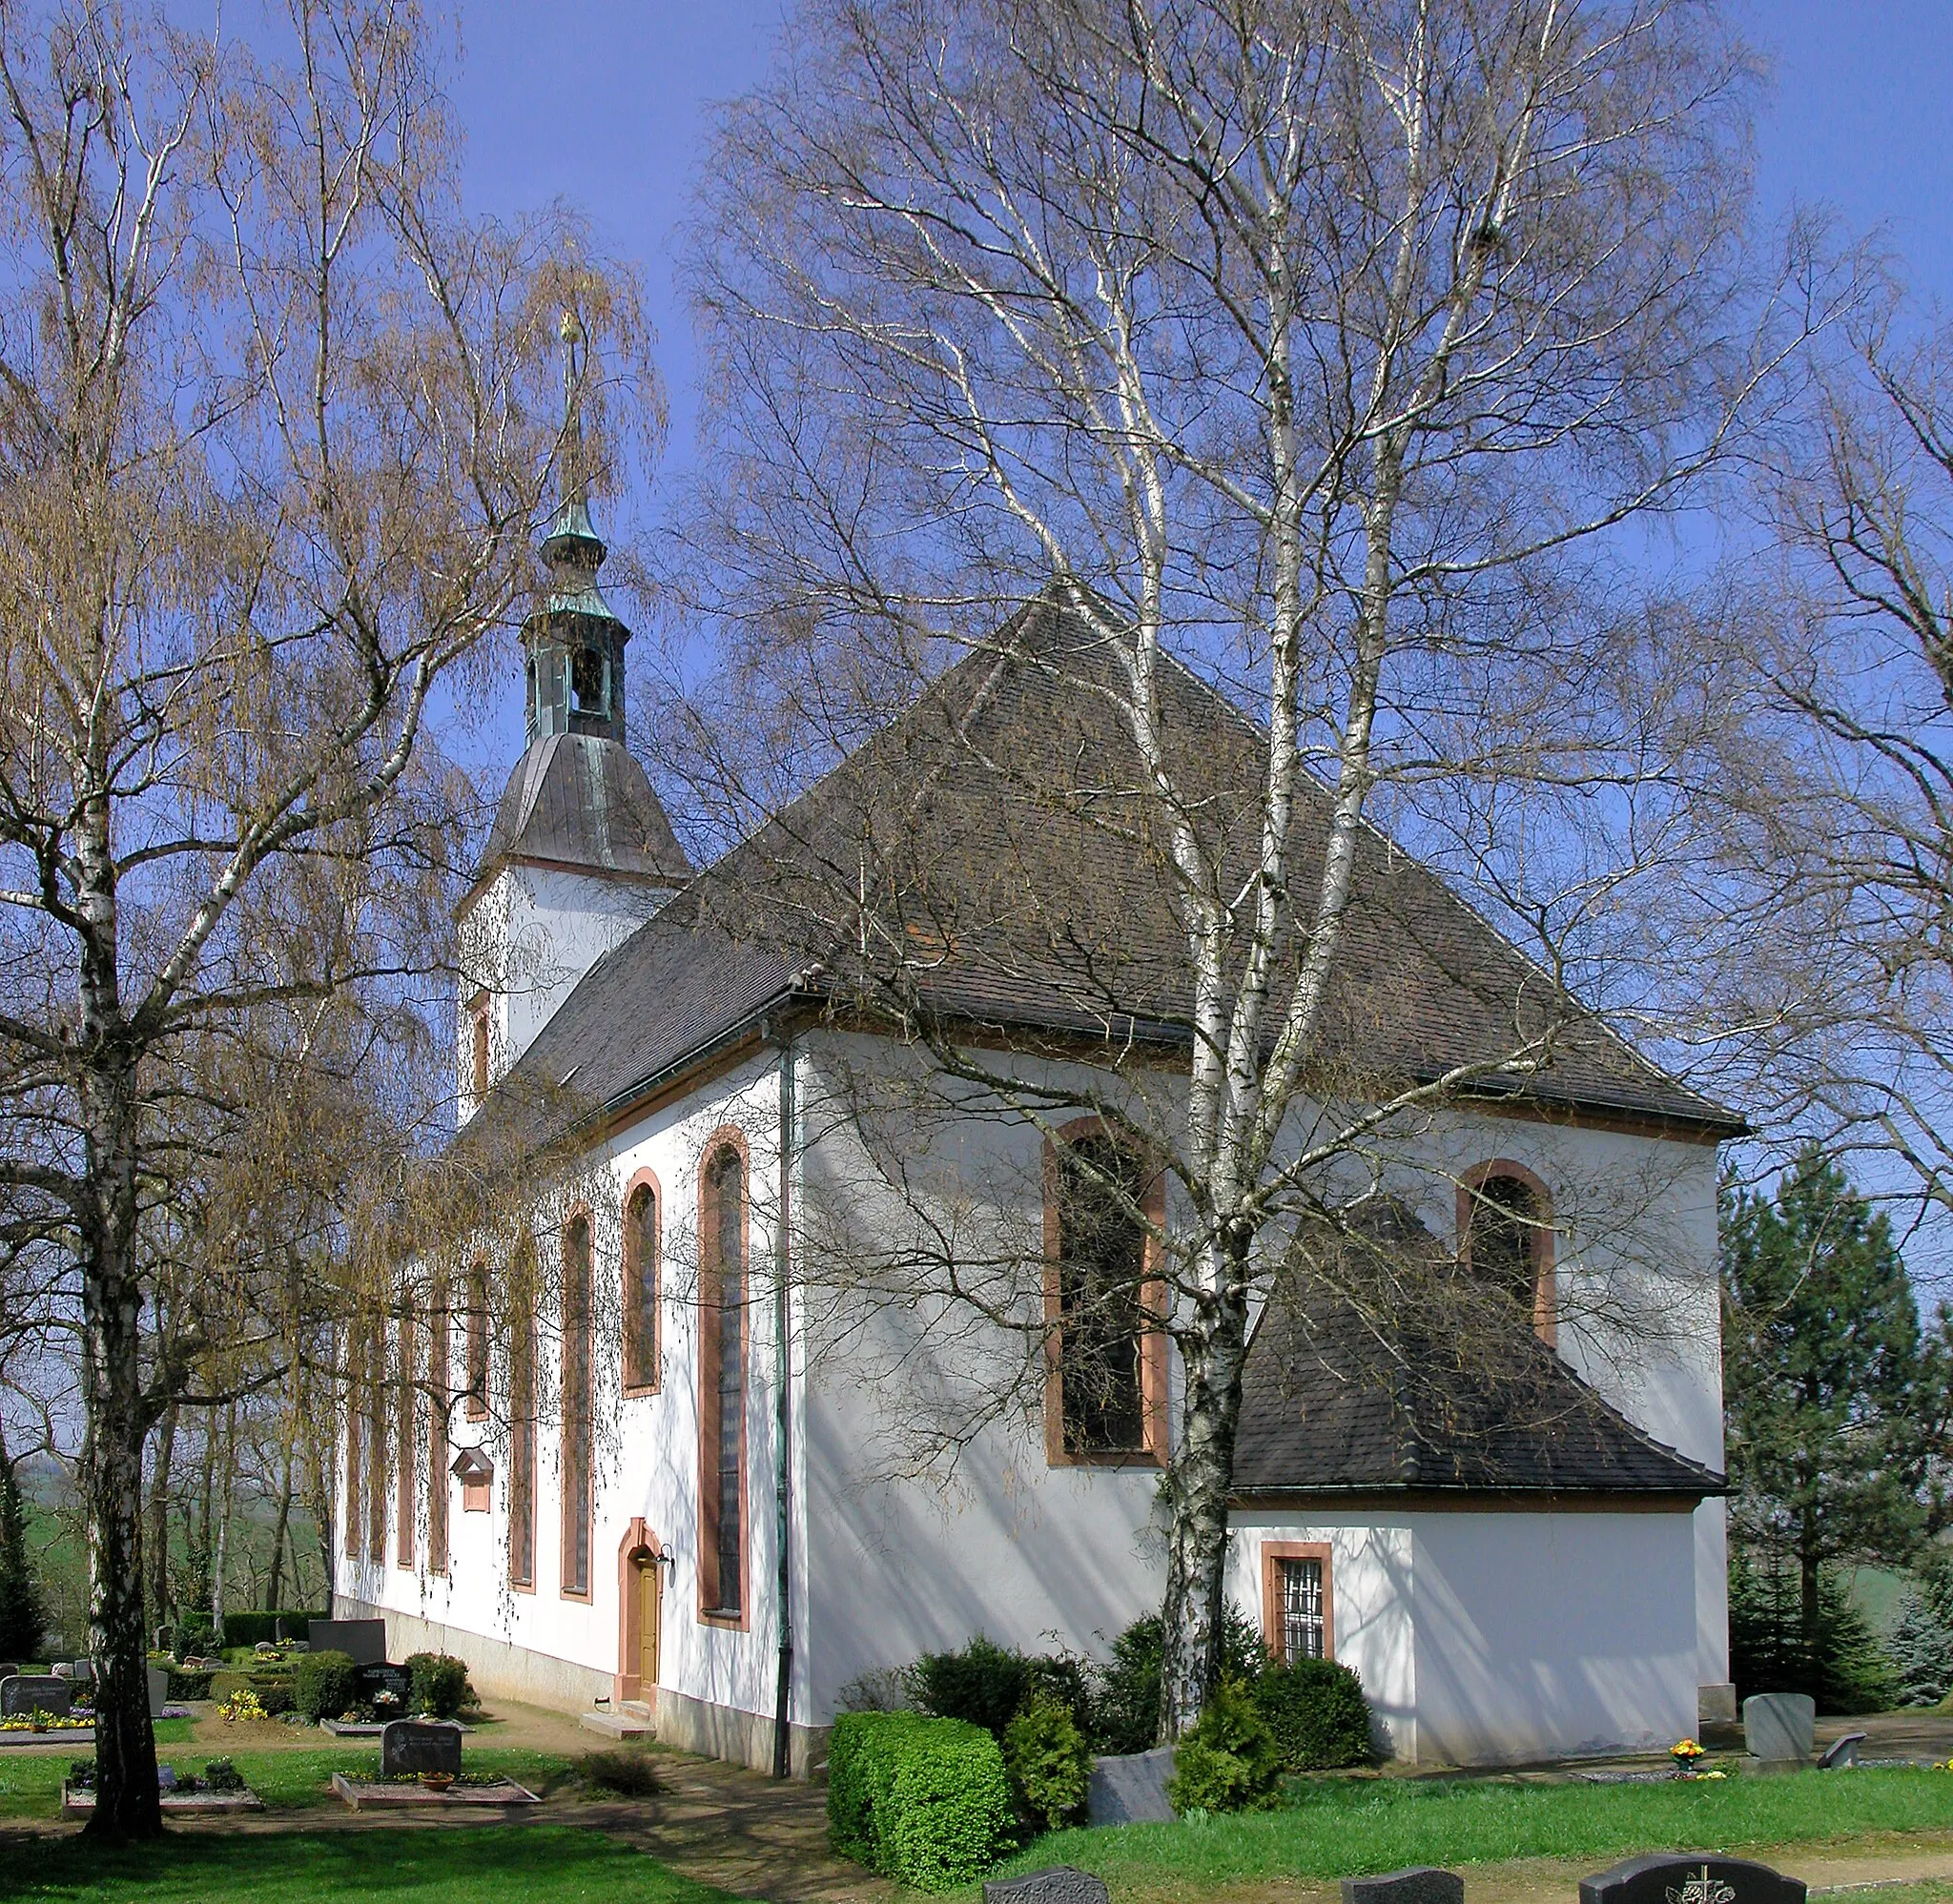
[{"x": 648, "y": 1596}]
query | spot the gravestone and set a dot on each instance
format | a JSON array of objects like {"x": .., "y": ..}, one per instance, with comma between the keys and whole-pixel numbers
[
  {"x": 1130, "y": 1788},
  {"x": 420, "y": 1745},
  {"x": 1843, "y": 1753},
  {"x": 1062, "y": 1884},
  {"x": 24, "y": 1692},
  {"x": 1701, "y": 1878},
  {"x": 158, "y": 1688},
  {"x": 363, "y": 1642},
  {"x": 8, "y": 1668},
  {"x": 1421, "y": 1884},
  {"x": 1780, "y": 1725}
]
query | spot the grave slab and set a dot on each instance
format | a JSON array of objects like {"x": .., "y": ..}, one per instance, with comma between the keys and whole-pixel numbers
[
  {"x": 25, "y": 1692},
  {"x": 1130, "y": 1788},
  {"x": 1780, "y": 1725},
  {"x": 363, "y": 1642},
  {"x": 1060, "y": 1884},
  {"x": 420, "y": 1745},
  {"x": 367, "y": 1796},
  {"x": 1695, "y": 1877},
  {"x": 1420, "y": 1884}
]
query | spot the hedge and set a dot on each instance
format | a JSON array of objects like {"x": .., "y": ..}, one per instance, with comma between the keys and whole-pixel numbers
[
  {"x": 925, "y": 1801},
  {"x": 324, "y": 1685},
  {"x": 195, "y": 1633},
  {"x": 1317, "y": 1711}
]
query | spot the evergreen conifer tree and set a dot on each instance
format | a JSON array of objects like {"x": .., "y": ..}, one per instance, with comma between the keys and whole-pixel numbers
[
  {"x": 1830, "y": 1390},
  {"x": 23, "y": 1614},
  {"x": 1922, "y": 1651}
]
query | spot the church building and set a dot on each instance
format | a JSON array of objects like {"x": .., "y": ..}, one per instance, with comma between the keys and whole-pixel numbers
[{"x": 693, "y": 1452}]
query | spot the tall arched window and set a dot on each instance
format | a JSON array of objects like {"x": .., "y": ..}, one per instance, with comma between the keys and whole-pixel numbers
[
  {"x": 356, "y": 1448},
  {"x": 475, "y": 1326},
  {"x": 578, "y": 1429},
  {"x": 722, "y": 1383},
  {"x": 375, "y": 1444},
  {"x": 1105, "y": 1397},
  {"x": 641, "y": 1288},
  {"x": 1505, "y": 1223},
  {"x": 439, "y": 1384},
  {"x": 522, "y": 1417},
  {"x": 406, "y": 1473}
]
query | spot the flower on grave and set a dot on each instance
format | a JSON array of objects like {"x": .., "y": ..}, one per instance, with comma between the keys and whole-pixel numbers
[
  {"x": 1685, "y": 1752},
  {"x": 243, "y": 1704},
  {"x": 385, "y": 1696},
  {"x": 1714, "y": 1774}
]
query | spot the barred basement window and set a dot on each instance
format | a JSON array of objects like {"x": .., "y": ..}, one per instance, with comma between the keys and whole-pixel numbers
[{"x": 1301, "y": 1609}]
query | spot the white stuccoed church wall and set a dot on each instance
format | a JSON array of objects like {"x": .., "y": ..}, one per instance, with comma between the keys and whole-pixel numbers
[
  {"x": 1484, "y": 1637},
  {"x": 718, "y": 1683}
]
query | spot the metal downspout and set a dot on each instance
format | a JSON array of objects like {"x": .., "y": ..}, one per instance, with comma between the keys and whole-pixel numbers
[{"x": 783, "y": 1263}]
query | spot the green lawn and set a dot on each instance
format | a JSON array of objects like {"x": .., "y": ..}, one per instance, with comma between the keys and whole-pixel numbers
[
  {"x": 30, "y": 1783},
  {"x": 1344, "y": 1828},
  {"x": 483, "y": 1864}
]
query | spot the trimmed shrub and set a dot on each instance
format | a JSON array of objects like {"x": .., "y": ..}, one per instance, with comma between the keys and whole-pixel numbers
[
  {"x": 985, "y": 1684},
  {"x": 324, "y": 1685},
  {"x": 1229, "y": 1761},
  {"x": 189, "y": 1684},
  {"x": 438, "y": 1684},
  {"x": 924, "y": 1800},
  {"x": 1317, "y": 1712},
  {"x": 1048, "y": 1762},
  {"x": 275, "y": 1691}
]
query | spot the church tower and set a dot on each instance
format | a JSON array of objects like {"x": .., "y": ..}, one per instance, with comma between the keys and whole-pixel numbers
[{"x": 580, "y": 851}]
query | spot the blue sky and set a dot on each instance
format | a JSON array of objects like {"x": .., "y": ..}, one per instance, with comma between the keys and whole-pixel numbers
[{"x": 605, "y": 103}]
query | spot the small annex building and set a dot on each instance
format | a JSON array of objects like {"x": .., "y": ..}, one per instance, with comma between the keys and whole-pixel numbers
[{"x": 675, "y": 1474}]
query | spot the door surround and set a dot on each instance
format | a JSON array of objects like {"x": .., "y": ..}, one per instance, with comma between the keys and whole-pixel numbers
[{"x": 639, "y": 1547}]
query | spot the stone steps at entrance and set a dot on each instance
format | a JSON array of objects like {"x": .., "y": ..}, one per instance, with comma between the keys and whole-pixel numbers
[{"x": 631, "y": 1720}]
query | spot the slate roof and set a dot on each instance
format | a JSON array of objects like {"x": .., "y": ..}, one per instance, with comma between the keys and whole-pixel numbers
[
  {"x": 581, "y": 800},
  {"x": 1000, "y": 836},
  {"x": 1450, "y": 1396}
]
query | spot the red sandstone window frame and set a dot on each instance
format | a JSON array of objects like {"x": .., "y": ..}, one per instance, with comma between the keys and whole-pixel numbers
[
  {"x": 475, "y": 1341},
  {"x": 522, "y": 1415},
  {"x": 641, "y": 1349},
  {"x": 1273, "y": 1554},
  {"x": 1545, "y": 1285},
  {"x": 726, "y": 1138},
  {"x": 407, "y": 1472},
  {"x": 375, "y": 1444},
  {"x": 479, "y": 1047},
  {"x": 1152, "y": 1451},
  {"x": 577, "y": 1393},
  {"x": 355, "y": 1435},
  {"x": 439, "y": 1398}
]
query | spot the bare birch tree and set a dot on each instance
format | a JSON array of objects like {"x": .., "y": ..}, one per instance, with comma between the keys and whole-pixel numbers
[
  {"x": 1315, "y": 347},
  {"x": 275, "y": 422}
]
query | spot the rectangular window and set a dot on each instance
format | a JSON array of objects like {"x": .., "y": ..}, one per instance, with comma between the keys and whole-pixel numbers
[
  {"x": 476, "y": 1331},
  {"x": 578, "y": 1429},
  {"x": 722, "y": 1384},
  {"x": 406, "y": 1474},
  {"x": 438, "y": 1398},
  {"x": 478, "y": 1072},
  {"x": 1296, "y": 1617},
  {"x": 1106, "y": 1395},
  {"x": 1301, "y": 1609},
  {"x": 522, "y": 1422}
]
